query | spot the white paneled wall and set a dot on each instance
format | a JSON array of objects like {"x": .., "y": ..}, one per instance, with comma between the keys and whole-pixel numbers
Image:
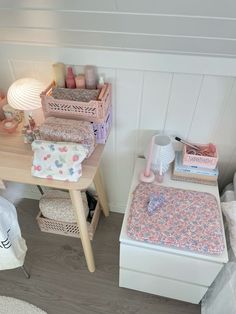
[
  {"x": 206, "y": 27},
  {"x": 147, "y": 96}
]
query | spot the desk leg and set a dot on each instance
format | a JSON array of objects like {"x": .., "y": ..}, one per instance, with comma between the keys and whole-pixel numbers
[
  {"x": 77, "y": 202},
  {"x": 101, "y": 193},
  {"x": 2, "y": 185}
]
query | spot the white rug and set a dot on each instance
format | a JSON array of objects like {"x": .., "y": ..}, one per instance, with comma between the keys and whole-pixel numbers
[{"x": 14, "y": 306}]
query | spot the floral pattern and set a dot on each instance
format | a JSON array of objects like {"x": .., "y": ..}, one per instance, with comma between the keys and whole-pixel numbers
[
  {"x": 59, "y": 161},
  {"x": 186, "y": 220}
]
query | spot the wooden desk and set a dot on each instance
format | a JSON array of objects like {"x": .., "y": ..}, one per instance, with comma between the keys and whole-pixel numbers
[{"x": 15, "y": 166}]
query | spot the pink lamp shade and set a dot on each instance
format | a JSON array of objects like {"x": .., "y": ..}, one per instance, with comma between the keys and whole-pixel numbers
[{"x": 24, "y": 94}]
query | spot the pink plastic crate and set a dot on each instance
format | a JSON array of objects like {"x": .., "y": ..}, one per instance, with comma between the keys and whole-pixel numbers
[
  {"x": 102, "y": 130},
  {"x": 200, "y": 161},
  {"x": 93, "y": 111}
]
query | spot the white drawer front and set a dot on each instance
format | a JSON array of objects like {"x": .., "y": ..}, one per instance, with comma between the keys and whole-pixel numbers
[
  {"x": 161, "y": 286},
  {"x": 168, "y": 265}
]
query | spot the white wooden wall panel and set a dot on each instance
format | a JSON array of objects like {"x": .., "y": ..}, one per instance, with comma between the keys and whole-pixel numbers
[
  {"x": 183, "y": 99},
  {"x": 156, "y": 90},
  {"x": 225, "y": 137},
  {"x": 201, "y": 107},
  {"x": 128, "y": 103},
  {"x": 119, "y": 23},
  {"x": 119, "y": 41},
  {"x": 109, "y": 161},
  {"x": 84, "y": 5},
  {"x": 209, "y": 108},
  {"x": 211, "y": 8},
  {"x": 190, "y": 27}
]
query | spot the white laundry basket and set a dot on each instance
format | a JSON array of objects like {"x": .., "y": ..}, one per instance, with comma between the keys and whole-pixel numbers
[{"x": 12, "y": 245}]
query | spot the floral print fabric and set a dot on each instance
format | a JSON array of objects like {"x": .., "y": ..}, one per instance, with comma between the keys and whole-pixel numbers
[
  {"x": 59, "y": 161},
  {"x": 187, "y": 220},
  {"x": 67, "y": 130}
]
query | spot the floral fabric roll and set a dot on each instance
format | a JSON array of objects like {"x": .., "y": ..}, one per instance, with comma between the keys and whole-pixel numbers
[
  {"x": 57, "y": 205},
  {"x": 59, "y": 130},
  {"x": 59, "y": 161}
]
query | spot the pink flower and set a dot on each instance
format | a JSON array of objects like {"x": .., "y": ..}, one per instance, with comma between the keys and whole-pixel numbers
[
  {"x": 37, "y": 168},
  {"x": 75, "y": 158}
]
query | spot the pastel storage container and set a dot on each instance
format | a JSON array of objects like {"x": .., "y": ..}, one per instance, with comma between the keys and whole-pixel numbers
[
  {"x": 200, "y": 160},
  {"x": 93, "y": 111},
  {"x": 102, "y": 130}
]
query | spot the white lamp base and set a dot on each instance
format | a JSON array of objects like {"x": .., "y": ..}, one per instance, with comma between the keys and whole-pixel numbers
[{"x": 147, "y": 179}]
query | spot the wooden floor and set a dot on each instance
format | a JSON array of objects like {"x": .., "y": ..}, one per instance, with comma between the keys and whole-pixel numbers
[{"x": 60, "y": 282}]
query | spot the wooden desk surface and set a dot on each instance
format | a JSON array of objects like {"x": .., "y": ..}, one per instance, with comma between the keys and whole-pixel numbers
[{"x": 16, "y": 160}]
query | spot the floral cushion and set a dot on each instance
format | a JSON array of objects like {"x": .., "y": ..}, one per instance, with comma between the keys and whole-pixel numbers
[{"x": 182, "y": 219}]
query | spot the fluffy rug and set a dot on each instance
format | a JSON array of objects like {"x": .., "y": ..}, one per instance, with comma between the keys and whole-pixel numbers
[{"x": 14, "y": 306}]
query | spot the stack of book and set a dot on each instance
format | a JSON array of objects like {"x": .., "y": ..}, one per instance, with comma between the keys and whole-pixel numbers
[{"x": 193, "y": 173}]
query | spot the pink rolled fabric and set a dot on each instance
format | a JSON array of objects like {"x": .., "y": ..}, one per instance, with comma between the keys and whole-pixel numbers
[{"x": 67, "y": 130}]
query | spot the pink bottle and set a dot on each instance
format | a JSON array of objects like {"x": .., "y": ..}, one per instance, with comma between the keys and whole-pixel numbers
[{"x": 70, "y": 78}]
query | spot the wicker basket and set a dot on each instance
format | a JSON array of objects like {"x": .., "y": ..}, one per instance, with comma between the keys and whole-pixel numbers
[
  {"x": 93, "y": 111},
  {"x": 67, "y": 228}
]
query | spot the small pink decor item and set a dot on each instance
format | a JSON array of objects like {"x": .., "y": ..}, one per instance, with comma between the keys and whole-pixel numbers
[
  {"x": 10, "y": 126},
  {"x": 147, "y": 175},
  {"x": 70, "y": 78}
]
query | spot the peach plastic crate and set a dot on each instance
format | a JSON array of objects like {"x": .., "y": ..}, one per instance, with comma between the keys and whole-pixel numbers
[
  {"x": 199, "y": 161},
  {"x": 92, "y": 111}
]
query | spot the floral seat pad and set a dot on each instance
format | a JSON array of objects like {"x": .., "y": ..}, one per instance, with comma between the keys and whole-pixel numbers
[{"x": 185, "y": 220}]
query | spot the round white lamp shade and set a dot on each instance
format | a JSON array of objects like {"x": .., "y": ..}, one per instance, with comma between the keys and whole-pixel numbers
[
  {"x": 163, "y": 153},
  {"x": 24, "y": 94}
]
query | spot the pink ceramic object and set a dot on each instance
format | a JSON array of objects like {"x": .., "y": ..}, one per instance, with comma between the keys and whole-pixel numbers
[
  {"x": 10, "y": 126},
  {"x": 70, "y": 78}
]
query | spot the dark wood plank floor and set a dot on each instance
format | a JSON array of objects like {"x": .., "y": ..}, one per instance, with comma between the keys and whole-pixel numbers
[{"x": 60, "y": 282}]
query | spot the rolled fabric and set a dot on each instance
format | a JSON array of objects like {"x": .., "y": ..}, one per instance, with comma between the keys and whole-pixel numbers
[
  {"x": 67, "y": 130},
  {"x": 57, "y": 205}
]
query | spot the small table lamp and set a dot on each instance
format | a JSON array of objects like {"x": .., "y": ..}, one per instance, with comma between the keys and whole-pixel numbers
[
  {"x": 160, "y": 155},
  {"x": 24, "y": 94}
]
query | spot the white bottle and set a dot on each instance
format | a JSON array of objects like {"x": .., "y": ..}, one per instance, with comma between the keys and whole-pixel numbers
[{"x": 100, "y": 82}]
